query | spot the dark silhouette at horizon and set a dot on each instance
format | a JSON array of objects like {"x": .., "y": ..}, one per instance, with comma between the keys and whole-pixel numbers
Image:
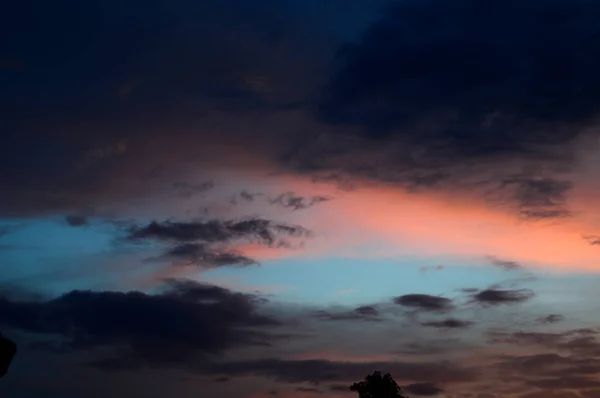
[
  {"x": 378, "y": 386},
  {"x": 8, "y": 350}
]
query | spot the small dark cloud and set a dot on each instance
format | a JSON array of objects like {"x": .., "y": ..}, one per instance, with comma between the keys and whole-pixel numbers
[
  {"x": 247, "y": 196},
  {"x": 295, "y": 202},
  {"x": 450, "y": 323},
  {"x": 551, "y": 318},
  {"x": 498, "y": 297},
  {"x": 187, "y": 190},
  {"x": 508, "y": 265},
  {"x": 593, "y": 240},
  {"x": 204, "y": 256},
  {"x": 170, "y": 327},
  {"x": 211, "y": 231},
  {"x": 425, "y": 389},
  {"x": 222, "y": 379},
  {"x": 365, "y": 313},
  {"x": 425, "y": 302},
  {"x": 76, "y": 220}
]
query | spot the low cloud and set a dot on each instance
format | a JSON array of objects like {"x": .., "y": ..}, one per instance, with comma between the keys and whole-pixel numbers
[
  {"x": 551, "y": 318},
  {"x": 425, "y": 389},
  {"x": 211, "y": 231},
  {"x": 450, "y": 323},
  {"x": 498, "y": 297},
  {"x": 187, "y": 319},
  {"x": 322, "y": 371},
  {"x": 508, "y": 265},
  {"x": 365, "y": 313},
  {"x": 76, "y": 220},
  {"x": 425, "y": 302},
  {"x": 206, "y": 257}
]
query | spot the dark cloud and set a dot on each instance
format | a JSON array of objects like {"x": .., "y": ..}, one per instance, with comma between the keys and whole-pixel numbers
[
  {"x": 548, "y": 365},
  {"x": 188, "y": 318},
  {"x": 450, "y": 323},
  {"x": 211, "y": 231},
  {"x": 321, "y": 371},
  {"x": 288, "y": 200},
  {"x": 102, "y": 115},
  {"x": 449, "y": 95},
  {"x": 76, "y": 220},
  {"x": 292, "y": 201},
  {"x": 365, "y": 313},
  {"x": 550, "y": 318},
  {"x": 505, "y": 264},
  {"x": 580, "y": 343},
  {"x": 593, "y": 240},
  {"x": 424, "y": 302},
  {"x": 426, "y": 389},
  {"x": 208, "y": 243},
  {"x": 538, "y": 198},
  {"x": 506, "y": 78},
  {"x": 566, "y": 382},
  {"x": 498, "y": 297},
  {"x": 204, "y": 256}
]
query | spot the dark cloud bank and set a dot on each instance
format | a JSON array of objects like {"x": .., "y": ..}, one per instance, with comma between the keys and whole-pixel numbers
[{"x": 444, "y": 93}]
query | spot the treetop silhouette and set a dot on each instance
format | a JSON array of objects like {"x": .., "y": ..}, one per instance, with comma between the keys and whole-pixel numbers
[{"x": 377, "y": 386}]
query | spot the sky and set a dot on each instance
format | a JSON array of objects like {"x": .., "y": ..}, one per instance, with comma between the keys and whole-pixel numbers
[{"x": 275, "y": 198}]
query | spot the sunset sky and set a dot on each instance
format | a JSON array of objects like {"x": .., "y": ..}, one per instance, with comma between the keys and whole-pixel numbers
[{"x": 274, "y": 198}]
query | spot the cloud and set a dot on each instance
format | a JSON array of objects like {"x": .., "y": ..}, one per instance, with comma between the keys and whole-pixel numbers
[
  {"x": 288, "y": 200},
  {"x": 566, "y": 382},
  {"x": 481, "y": 103},
  {"x": 508, "y": 91},
  {"x": 255, "y": 230},
  {"x": 426, "y": 389},
  {"x": 76, "y": 220},
  {"x": 548, "y": 365},
  {"x": 593, "y": 240},
  {"x": 550, "y": 318},
  {"x": 505, "y": 264},
  {"x": 424, "y": 302},
  {"x": 538, "y": 198},
  {"x": 204, "y": 256},
  {"x": 449, "y": 323},
  {"x": 187, "y": 319},
  {"x": 321, "y": 371},
  {"x": 364, "y": 313},
  {"x": 498, "y": 297},
  {"x": 292, "y": 201}
]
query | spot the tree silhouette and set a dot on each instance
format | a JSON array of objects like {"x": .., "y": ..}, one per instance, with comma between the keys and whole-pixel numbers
[
  {"x": 377, "y": 386},
  {"x": 8, "y": 349}
]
